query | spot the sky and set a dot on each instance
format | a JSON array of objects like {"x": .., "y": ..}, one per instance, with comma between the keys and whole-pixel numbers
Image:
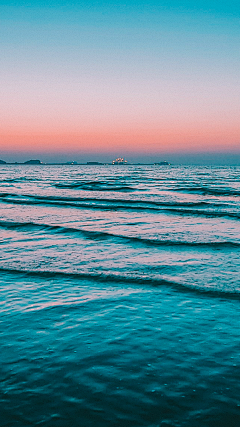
[{"x": 147, "y": 80}]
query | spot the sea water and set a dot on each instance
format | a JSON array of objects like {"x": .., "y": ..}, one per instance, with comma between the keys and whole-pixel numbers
[{"x": 120, "y": 296}]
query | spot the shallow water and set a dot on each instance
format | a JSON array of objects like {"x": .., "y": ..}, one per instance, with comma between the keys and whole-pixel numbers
[{"x": 120, "y": 293}]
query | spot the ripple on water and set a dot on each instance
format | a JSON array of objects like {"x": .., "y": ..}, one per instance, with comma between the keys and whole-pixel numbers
[{"x": 132, "y": 355}]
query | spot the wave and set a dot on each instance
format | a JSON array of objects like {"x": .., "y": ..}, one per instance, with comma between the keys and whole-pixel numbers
[
  {"x": 108, "y": 186},
  {"x": 19, "y": 179},
  {"x": 175, "y": 208},
  {"x": 140, "y": 203},
  {"x": 207, "y": 214},
  {"x": 207, "y": 191},
  {"x": 134, "y": 206},
  {"x": 95, "y": 186},
  {"x": 103, "y": 235},
  {"x": 118, "y": 279}
]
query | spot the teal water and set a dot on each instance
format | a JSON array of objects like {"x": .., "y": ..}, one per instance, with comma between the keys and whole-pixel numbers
[{"x": 119, "y": 296}]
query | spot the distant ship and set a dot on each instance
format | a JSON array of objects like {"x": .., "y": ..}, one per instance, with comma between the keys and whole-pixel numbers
[
  {"x": 71, "y": 163},
  {"x": 164, "y": 163},
  {"x": 119, "y": 161}
]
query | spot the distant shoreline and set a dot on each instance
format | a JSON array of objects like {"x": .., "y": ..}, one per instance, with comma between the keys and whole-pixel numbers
[{"x": 81, "y": 164}]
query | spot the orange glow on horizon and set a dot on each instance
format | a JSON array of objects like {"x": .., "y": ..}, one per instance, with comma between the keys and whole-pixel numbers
[{"x": 188, "y": 138}]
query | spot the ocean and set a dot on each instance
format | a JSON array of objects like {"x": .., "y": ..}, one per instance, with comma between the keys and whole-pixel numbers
[{"x": 120, "y": 296}]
